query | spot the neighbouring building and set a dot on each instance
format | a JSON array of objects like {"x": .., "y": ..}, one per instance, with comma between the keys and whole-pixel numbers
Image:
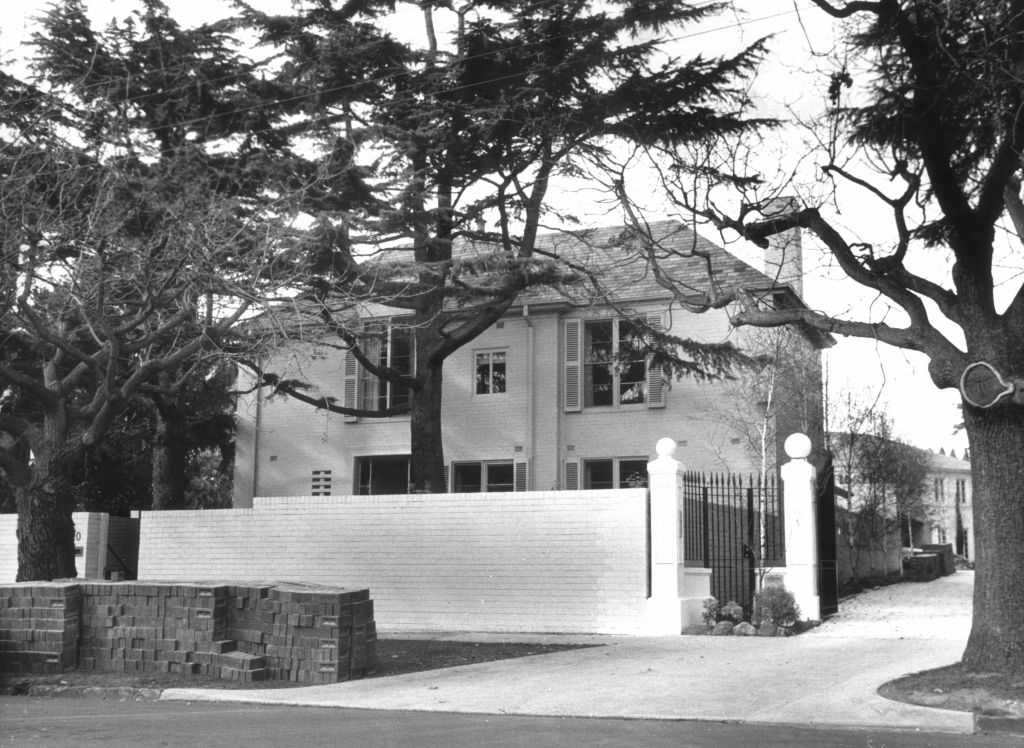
[
  {"x": 874, "y": 531},
  {"x": 949, "y": 491},
  {"x": 535, "y": 402}
]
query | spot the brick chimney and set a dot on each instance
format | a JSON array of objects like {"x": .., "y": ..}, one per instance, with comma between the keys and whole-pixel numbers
[{"x": 783, "y": 258}]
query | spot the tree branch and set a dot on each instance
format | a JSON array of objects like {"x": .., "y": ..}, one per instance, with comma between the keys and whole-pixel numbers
[{"x": 847, "y": 10}]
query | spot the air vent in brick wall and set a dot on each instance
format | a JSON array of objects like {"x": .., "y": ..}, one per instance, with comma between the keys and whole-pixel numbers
[{"x": 321, "y": 483}]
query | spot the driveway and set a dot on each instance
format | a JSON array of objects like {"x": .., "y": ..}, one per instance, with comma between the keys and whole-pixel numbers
[{"x": 825, "y": 677}]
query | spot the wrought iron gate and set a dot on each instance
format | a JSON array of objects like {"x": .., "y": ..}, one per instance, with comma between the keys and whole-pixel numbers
[
  {"x": 729, "y": 526},
  {"x": 828, "y": 566}
]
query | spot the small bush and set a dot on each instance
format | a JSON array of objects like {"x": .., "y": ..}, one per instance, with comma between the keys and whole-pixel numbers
[
  {"x": 710, "y": 612},
  {"x": 731, "y": 611},
  {"x": 776, "y": 605}
]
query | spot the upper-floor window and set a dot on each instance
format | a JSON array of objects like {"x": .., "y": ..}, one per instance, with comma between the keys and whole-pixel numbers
[
  {"x": 604, "y": 364},
  {"x": 961, "y": 491},
  {"x": 614, "y": 364},
  {"x": 388, "y": 345},
  {"x": 940, "y": 489},
  {"x": 490, "y": 372}
]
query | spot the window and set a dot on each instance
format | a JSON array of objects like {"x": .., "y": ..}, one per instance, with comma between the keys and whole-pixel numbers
[
  {"x": 961, "y": 491},
  {"x": 490, "y": 372},
  {"x": 622, "y": 472},
  {"x": 614, "y": 363},
  {"x": 940, "y": 490},
  {"x": 474, "y": 477},
  {"x": 388, "y": 345},
  {"x": 386, "y": 474}
]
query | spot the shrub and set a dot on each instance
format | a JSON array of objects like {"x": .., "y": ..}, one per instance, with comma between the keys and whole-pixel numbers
[
  {"x": 731, "y": 611},
  {"x": 710, "y": 612},
  {"x": 776, "y": 605}
]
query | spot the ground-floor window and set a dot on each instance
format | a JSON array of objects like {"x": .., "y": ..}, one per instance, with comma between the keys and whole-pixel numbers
[
  {"x": 474, "y": 477},
  {"x": 383, "y": 474},
  {"x": 617, "y": 472}
]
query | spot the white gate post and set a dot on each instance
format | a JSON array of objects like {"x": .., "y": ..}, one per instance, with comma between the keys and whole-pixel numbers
[
  {"x": 800, "y": 508},
  {"x": 664, "y": 606}
]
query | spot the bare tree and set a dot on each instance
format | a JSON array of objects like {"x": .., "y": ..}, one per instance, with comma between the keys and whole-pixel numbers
[{"x": 932, "y": 136}]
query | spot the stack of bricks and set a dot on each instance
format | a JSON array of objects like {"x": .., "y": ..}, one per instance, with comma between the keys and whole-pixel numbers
[
  {"x": 307, "y": 635},
  {"x": 137, "y": 627},
  {"x": 39, "y": 628},
  {"x": 246, "y": 633}
]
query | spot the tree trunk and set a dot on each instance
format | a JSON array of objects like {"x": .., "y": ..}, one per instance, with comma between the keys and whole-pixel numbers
[
  {"x": 46, "y": 531},
  {"x": 427, "y": 460},
  {"x": 996, "y": 439},
  {"x": 170, "y": 461}
]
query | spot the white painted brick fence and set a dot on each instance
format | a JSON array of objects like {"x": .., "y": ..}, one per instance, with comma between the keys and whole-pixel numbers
[{"x": 567, "y": 561}]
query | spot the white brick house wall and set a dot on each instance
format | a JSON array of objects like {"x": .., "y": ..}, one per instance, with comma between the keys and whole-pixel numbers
[{"x": 527, "y": 422}]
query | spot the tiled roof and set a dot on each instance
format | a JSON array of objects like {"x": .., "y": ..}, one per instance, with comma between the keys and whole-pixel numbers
[{"x": 614, "y": 253}]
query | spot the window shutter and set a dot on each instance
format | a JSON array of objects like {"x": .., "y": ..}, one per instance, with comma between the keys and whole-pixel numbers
[
  {"x": 350, "y": 397},
  {"x": 447, "y": 478},
  {"x": 655, "y": 374},
  {"x": 573, "y": 395},
  {"x": 521, "y": 475},
  {"x": 572, "y": 475}
]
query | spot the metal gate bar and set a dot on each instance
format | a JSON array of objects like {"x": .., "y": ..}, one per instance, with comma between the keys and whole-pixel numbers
[{"x": 723, "y": 519}]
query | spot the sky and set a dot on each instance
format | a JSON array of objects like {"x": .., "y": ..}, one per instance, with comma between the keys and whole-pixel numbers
[{"x": 787, "y": 85}]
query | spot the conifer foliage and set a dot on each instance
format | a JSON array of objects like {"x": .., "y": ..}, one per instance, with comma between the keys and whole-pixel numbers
[{"x": 458, "y": 118}]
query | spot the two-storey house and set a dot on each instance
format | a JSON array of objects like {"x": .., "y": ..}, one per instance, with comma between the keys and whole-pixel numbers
[{"x": 553, "y": 396}]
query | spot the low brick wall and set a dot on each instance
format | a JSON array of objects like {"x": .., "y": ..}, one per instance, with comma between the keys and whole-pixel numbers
[{"x": 239, "y": 632}]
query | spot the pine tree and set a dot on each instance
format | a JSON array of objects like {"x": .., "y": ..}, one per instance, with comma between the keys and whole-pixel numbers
[{"x": 462, "y": 134}]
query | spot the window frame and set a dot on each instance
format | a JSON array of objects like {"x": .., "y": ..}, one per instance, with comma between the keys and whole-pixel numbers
[
  {"x": 485, "y": 482},
  {"x": 389, "y": 326},
  {"x": 615, "y": 365},
  {"x": 358, "y": 463},
  {"x": 617, "y": 477},
  {"x": 489, "y": 352}
]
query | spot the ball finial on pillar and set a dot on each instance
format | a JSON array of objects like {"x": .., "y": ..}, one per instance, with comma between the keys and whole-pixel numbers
[
  {"x": 798, "y": 446},
  {"x": 666, "y": 447}
]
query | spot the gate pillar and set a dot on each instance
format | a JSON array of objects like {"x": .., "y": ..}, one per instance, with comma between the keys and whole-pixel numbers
[
  {"x": 799, "y": 507},
  {"x": 676, "y": 596}
]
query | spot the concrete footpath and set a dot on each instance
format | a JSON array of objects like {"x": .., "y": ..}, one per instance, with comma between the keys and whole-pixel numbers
[{"x": 828, "y": 676}]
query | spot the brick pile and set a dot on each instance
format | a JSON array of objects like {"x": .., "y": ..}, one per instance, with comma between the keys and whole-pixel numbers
[
  {"x": 138, "y": 627},
  {"x": 39, "y": 628},
  {"x": 236, "y": 632},
  {"x": 307, "y": 635}
]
